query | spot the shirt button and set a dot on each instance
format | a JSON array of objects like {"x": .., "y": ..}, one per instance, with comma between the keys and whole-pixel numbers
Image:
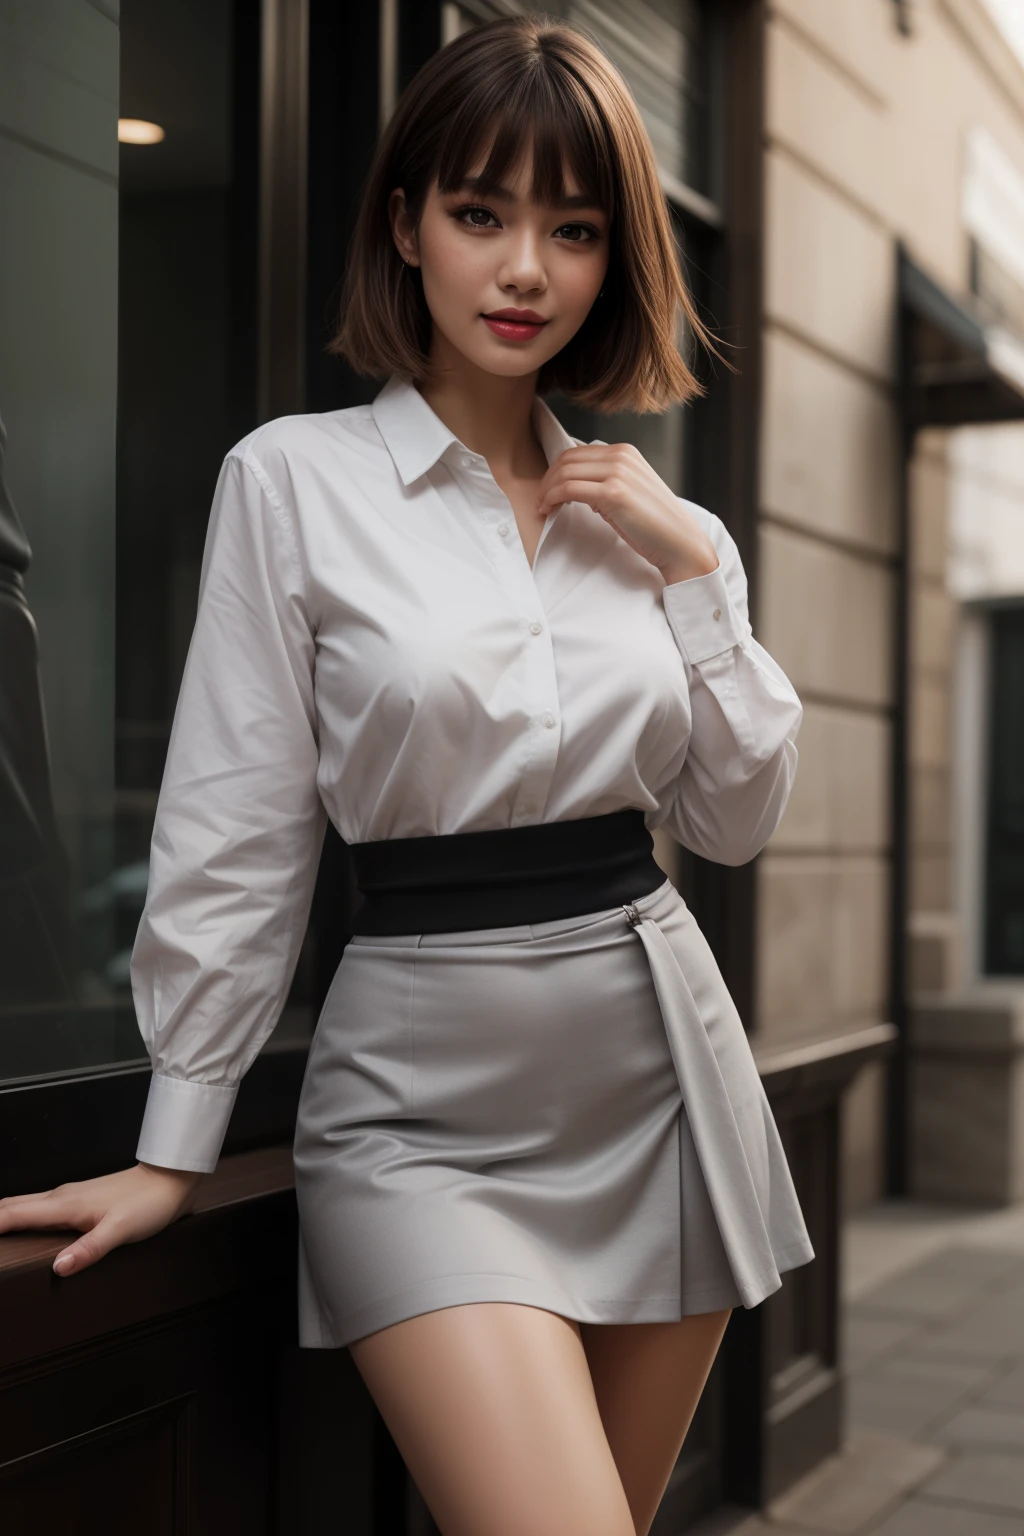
[
  {"x": 717, "y": 613},
  {"x": 548, "y": 719},
  {"x": 503, "y": 529},
  {"x": 536, "y": 627}
]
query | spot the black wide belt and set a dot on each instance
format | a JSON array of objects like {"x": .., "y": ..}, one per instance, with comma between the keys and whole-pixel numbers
[{"x": 536, "y": 874}]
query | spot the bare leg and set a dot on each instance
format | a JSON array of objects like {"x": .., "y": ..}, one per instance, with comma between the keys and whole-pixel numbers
[
  {"x": 648, "y": 1378},
  {"x": 492, "y": 1407}
]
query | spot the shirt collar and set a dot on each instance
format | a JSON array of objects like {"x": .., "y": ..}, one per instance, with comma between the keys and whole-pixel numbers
[{"x": 416, "y": 437}]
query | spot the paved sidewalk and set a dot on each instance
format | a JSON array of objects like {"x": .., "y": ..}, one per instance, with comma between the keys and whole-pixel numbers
[{"x": 934, "y": 1329}]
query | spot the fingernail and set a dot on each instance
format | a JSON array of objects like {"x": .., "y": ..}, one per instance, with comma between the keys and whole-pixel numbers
[{"x": 63, "y": 1264}]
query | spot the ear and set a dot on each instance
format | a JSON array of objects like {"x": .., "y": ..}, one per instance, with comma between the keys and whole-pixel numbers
[{"x": 402, "y": 228}]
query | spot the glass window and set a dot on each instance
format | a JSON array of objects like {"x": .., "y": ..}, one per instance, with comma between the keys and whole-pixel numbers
[
  {"x": 1000, "y": 293},
  {"x": 58, "y": 395},
  {"x": 128, "y": 340},
  {"x": 1004, "y": 865}
]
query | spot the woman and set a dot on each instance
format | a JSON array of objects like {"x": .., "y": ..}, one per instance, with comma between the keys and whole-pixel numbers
[{"x": 535, "y": 1166}]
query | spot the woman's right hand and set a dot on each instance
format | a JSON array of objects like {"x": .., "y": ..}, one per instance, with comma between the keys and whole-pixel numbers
[{"x": 119, "y": 1208}]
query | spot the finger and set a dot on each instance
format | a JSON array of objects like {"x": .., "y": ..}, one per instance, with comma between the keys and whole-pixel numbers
[
  {"x": 20, "y": 1212},
  {"x": 596, "y": 466},
  {"x": 623, "y": 452},
  {"x": 592, "y": 492},
  {"x": 39, "y": 1194},
  {"x": 90, "y": 1247}
]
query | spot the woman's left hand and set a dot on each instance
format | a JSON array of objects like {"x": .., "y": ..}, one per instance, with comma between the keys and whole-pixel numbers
[{"x": 619, "y": 484}]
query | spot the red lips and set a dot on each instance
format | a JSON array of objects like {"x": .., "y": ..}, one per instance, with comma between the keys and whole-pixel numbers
[{"x": 527, "y": 316}]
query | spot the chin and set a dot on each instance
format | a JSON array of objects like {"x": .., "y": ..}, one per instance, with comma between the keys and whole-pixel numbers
[
  {"x": 507, "y": 365},
  {"x": 512, "y": 367}
]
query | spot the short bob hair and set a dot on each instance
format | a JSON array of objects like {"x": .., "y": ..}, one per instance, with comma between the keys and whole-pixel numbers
[{"x": 513, "y": 80}]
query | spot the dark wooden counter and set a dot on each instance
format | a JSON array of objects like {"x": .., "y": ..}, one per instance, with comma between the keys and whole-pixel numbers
[{"x": 161, "y": 1390}]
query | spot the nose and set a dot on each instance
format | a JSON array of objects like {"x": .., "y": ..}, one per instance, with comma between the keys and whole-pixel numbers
[{"x": 522, "y": 265}]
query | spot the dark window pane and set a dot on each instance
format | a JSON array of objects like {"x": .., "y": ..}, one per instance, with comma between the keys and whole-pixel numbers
[
  {"x": 1004, "y": 873},
  {"x": 188, "y": 370},
  {"x": 128, "y": 346},
  {"x": 58, "y": 381}
]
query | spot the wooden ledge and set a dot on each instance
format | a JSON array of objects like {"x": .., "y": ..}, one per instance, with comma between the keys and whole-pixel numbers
[
  {"x": 818, "y": 1070},
  {"x": 241, "y": 1235}
]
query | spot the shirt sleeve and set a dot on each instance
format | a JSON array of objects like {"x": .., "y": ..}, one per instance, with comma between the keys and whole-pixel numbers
[
  {"x": 742, "y": 756},
  {"x": 239, "y": 825}
]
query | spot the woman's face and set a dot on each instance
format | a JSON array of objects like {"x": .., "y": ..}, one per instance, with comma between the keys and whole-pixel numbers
[{"x": 480, "y": 256}]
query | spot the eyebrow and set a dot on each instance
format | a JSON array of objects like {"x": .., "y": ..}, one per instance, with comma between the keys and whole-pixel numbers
[{"x": 477, "y": 184}]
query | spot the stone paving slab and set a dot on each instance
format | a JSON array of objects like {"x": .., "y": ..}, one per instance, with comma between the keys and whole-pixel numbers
[
  {"x": 920, "y": 1517},
  {"x": 880, "y": 1242},
  {"x": 871, "y": 1474},
  {"x": 943, "y": 1284},
  {"x": 1007, "y": 1392},
  {"x": 865, "y": 1339},
  {"x": 739, "y": 1522},
  {"x": 933, "y": 1351},
  {"x": 896, "y": 1406},
  {"x": 986, "y": 1429},
  {"x": 995, "y": 1483},
  {"x": 994, "y": 1330},
  {"x": 945, "y": 1372}
]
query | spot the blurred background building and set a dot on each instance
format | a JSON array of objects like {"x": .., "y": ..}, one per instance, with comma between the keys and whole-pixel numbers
[{"x": 179, "y": 177}]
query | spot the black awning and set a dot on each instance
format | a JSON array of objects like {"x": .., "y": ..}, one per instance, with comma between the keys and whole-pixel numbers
[{"x": 955, "y": 367}]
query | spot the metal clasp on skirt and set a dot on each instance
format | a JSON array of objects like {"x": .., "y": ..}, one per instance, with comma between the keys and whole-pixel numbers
[{"x": 633, "y": 917}]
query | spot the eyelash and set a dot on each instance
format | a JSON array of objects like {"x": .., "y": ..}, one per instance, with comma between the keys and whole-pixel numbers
[{"x": 459, "y": 214}]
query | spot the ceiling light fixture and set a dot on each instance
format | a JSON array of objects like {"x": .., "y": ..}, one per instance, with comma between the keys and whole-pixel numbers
[{"x": 135, "y": 130}]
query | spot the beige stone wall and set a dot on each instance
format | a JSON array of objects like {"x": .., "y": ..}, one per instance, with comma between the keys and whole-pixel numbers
[
  {"x": 933, "y": 939},
  {"x": 864, "y": 144}
]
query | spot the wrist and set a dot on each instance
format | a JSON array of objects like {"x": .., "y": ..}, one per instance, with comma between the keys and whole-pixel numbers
[
  {"x": 184, "y": 1178},
  {"x": 686, "y": 568}
]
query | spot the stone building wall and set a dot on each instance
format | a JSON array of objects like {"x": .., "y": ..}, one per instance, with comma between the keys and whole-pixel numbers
[
  {"x": 863, "y": 146},
  {"x": 935, "y": 949}
]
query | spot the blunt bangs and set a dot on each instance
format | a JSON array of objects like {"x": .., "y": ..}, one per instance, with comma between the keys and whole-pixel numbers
[{"x": 554, "y": 117}]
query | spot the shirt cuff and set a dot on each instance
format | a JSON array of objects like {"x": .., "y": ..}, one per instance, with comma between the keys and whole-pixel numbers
[
  {"x": 701, "y": 617},
  {"x": 185, "y": 1123}
]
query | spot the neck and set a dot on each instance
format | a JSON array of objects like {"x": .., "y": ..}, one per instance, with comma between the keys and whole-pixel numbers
[{"x": 489, "y": 412}]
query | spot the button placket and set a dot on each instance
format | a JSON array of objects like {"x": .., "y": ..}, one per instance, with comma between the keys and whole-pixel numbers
[
  {"x": 540, "y": 687},
  {"x": 541, "y": 696}
]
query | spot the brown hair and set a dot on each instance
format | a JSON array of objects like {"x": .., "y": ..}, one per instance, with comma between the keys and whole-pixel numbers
[{"x": 508, "y": 80}]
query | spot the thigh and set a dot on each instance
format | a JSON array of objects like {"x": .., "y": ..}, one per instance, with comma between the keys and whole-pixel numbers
[
  {"x": 648, "y": 1378},
  {"x": 492, "y": 1407}
]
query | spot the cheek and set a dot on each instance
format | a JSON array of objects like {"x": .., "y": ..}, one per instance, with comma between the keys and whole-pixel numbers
[
  {"x": 576, "y": 282},
  {"x": 452, "y": 268}
]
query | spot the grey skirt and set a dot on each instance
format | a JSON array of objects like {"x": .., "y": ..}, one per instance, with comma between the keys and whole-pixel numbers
[{"x": 563, "y": 1114}]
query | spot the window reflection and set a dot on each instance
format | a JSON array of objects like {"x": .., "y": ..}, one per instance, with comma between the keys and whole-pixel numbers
[
  {"x": 187, "y": 366},
  {"x": 127, "y": 369},
  {"x": 40, "y": 966},
  {"x": 58, "y": 373},
  {"x": 187, "y": 381}
]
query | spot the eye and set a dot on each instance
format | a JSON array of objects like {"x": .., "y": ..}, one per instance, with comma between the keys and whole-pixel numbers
[
  {"x": 585, "y": 233},
  {"x": 463, "y": 215}
]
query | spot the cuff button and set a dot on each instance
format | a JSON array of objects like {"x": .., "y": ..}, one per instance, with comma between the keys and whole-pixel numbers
[{"x": 717, "y": 613}]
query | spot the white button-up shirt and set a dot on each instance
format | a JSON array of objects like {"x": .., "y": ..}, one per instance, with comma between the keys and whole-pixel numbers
[{"x": 372, "y": 645}]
